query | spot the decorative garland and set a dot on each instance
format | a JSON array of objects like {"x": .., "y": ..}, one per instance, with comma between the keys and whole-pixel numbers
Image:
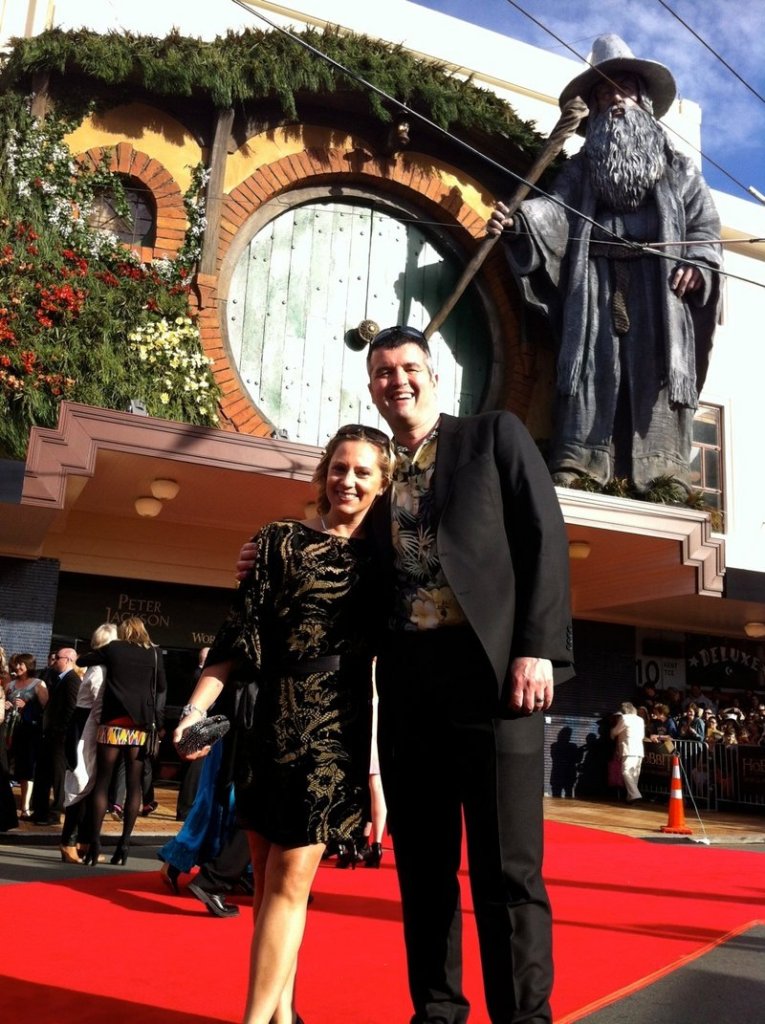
[{"x": 257, "y": 65}]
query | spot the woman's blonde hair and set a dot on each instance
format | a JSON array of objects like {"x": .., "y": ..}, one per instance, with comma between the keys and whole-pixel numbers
[
  {"x": 133, "y": 631},
  {"x": 353, "y": 432},
  {"x": 103, "y": 635}
]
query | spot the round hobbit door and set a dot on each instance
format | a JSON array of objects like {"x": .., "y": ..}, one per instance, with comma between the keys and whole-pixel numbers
[{"x": 299, "y": 290}]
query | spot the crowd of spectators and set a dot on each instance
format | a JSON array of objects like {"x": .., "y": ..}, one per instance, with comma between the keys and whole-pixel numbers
[
  {"x": 27, "y": 725},
  {"x": 714, "y": 717},
  {"x": 689, "y": 722}
]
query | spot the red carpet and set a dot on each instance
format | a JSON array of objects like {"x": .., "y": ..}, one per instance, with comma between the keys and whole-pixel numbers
[{"x": 121, "y": 949}]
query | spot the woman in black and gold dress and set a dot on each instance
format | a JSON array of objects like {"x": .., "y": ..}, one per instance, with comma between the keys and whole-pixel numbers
[{"x": 304, "y": 625}]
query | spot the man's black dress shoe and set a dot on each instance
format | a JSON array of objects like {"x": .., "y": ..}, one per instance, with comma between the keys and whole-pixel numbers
[{"x": 214, "y": 902}]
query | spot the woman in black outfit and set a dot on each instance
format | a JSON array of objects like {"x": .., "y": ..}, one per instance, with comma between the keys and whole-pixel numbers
[
  {"x": 303, "y": 627},
  {"x": 134, "y": 701}
]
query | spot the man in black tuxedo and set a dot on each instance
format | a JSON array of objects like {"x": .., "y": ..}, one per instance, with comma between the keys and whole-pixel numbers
[
  {"x": 480, "y": 617},
  {"x": 63, "y": 683}
]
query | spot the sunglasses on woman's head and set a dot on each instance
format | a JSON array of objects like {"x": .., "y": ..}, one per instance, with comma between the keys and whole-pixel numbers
[{"x": 360, "y": 432}]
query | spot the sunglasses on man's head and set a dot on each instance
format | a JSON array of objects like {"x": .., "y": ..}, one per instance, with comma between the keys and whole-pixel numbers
[{"x": 395, "y": 333}]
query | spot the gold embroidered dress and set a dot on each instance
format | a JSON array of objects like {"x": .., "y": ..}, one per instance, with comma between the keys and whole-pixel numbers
[{"x": 310, "y": 596}]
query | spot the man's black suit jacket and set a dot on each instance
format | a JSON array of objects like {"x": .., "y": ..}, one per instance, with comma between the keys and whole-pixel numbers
[
  {"x": 62, "y": 698},
  {"x": 501, "y": 540}
]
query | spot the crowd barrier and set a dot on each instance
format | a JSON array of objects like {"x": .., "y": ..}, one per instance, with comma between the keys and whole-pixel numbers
[{"x": 715, "y": 777}]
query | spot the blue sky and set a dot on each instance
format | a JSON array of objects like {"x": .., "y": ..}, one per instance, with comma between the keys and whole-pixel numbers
[{"x": 733, "y": 123}]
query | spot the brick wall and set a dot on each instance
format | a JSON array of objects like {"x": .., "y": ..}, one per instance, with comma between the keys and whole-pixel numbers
[{"x": 28, "y": 592}]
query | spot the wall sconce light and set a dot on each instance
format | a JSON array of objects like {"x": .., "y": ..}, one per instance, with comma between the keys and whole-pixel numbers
[
  {"x": 578, "y": 549},
  {"x": 755, "y": 630},
  {"x": 148, "y": 507},
  {"x": 165, "y": 490},
  {"x": 309, "y": 509}
]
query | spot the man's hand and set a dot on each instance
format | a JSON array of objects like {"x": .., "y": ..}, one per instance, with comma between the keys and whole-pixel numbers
[
  {"x": 246, "y": 560},
  {"x": 498, "y": 221},
  {"x": 531, "y": 684},
  {"x": 685, "y": 280}
]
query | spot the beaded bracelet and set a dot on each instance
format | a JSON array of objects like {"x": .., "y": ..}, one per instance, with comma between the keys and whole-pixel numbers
[{"x": 188, "y": 708}]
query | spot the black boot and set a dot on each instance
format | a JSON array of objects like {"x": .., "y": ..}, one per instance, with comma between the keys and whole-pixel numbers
[
  {"x": 92, "y": 856},
  {"x": 346, "y": 854},
  {"x": 373, "y": 855},
  {"x": 120, "y": 855}
]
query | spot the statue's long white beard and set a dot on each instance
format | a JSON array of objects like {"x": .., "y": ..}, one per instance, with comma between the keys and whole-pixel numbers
[{"x": 626, "y": 156}]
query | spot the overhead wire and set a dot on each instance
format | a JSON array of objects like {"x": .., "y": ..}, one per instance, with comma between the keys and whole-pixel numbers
[
  {"x": 604, "y": 76},
  {"x": 356, "y": 77},
  {"x": 401, "y": 218},
  {"x": 712, "y": 50}
]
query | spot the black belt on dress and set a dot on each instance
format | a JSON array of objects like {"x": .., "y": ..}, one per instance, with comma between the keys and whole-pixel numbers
[{"x": 327, "y": 663}]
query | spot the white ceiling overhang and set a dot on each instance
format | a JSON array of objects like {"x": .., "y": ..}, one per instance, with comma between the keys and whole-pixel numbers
[{"x": 649, "y": 565}]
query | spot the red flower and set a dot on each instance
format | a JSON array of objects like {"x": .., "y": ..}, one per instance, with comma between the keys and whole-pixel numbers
[
  {"x": 130, "y": 270},
  {"x": 108, "y": 278},
  {"x": 80, "y": 263},
  {"x": 28, "y": 360}
]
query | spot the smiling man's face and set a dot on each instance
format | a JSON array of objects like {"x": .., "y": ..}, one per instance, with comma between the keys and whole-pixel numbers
[{"x": 404, "y": 389}]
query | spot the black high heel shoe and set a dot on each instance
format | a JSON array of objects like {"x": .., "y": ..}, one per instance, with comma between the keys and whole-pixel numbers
[
  {"x": 346, "y": 855},
  {"x": 92, "y": 856},
  {"x": 373, "y": 855},
  {"x": 170, "y": 875},
  {"x": 120, "y": 855}
]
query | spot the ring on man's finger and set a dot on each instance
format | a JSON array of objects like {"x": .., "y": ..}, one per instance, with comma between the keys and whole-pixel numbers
[{"x": 539, "y": 700}]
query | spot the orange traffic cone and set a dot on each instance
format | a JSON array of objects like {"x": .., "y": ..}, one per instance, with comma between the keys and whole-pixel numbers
[{"x": 676, "y": 820}]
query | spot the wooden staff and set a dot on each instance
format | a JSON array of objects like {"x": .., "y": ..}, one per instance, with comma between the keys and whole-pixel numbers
[{"x": 572, "y": 115}]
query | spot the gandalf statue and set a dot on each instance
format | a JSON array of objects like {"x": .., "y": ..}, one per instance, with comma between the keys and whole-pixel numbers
[{"x": 634, "y": 329}]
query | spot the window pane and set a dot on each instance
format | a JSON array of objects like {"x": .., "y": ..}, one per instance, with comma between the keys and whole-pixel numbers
[
  {"x": 705, "y": 431},
  {"x": 695, "y": 465},
  {"x": 712, "y": 469}
]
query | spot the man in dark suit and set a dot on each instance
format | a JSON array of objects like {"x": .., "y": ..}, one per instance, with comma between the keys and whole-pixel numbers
[
  {"x": 63, "y": 683},
  {"x": 480, "y": 617}
]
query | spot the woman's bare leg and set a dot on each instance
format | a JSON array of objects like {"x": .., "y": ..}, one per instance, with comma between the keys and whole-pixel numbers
[
  {"x": 25, "y": 792},
  {"x": 379, "y": 808},
  {"x": 282, "y": 878}
]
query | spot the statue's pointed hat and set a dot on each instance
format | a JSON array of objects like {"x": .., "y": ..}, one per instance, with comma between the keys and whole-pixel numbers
[{"x": 610, "y": 56}]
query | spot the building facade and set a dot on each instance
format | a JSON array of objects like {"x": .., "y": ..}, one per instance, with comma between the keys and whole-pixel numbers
[{"x": 317, "y": 222}]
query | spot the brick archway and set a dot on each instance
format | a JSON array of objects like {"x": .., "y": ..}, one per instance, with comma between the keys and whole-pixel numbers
[
  {"x": 402, "y": 176},
  {"x": 168, "y": 198}
]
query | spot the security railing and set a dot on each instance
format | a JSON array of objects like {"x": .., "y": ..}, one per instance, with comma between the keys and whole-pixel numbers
[{"x": 713, "y": 776}]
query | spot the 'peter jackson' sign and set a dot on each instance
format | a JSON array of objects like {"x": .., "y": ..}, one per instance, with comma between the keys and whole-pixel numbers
[{"x": 176, "y": 615}]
